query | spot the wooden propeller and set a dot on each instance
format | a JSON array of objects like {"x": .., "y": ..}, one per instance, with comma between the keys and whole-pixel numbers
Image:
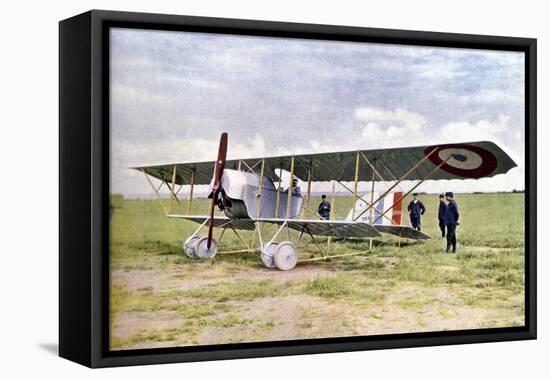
[{"x": 217, "y": 185}]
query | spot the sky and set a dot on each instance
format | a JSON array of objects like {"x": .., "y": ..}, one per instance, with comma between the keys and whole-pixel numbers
[{"x": 174, "y": 93}]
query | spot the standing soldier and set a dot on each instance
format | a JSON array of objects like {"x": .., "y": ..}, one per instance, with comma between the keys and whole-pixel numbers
[
  {"x": 324, "y": 208},
  {"x": 441, "y": 214},
  {"x": 296, "y": 191},
  {"x": 416, "y": 209},
  {"x": 451, "y": 220}
]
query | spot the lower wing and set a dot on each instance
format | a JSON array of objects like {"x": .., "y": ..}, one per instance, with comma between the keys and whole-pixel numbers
[
  {"x": 401, "y": 231},
  {"x": 338, "y": 229},
  {"x": 220, "y": 222}
]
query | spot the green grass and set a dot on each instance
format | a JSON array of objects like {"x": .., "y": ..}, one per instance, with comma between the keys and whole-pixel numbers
[
  {"x": 342, "y": 286},
  {"x": 332, "y": 287},
  {"x": 139, "y": 228},
  {"x": 487, "y": 274},
  {"x": 169, "y": 300},
  {"x": 242, "y": 290}
]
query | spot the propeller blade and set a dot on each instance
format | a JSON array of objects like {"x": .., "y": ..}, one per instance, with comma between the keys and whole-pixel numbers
[
  {"x": 216, "y": 187},
  {"x": 220, "y": 162}
]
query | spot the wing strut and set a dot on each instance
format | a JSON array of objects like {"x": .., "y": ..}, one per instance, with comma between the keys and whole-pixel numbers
[
  {"x": 414, "y": 187},
  {"x": 398, "y": 182}
]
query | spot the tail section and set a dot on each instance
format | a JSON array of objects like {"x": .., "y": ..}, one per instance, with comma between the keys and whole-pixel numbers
[
  {"x": 391, "y": 206},
  {"x": 397, "y": 210}
]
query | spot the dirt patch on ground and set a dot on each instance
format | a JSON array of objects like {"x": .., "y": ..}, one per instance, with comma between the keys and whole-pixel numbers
[
  {"x": 280, "y": 318},
  {"x": 130, "y": 328},
  {"x": 405, "y": 309},
  {"x": 419, "y": 309},
  {"x": 192, "y": 276},
  {"x": 137, "y": 279},
  {"x": 291, "y": 314},
  {"x": 301, "y": 272}
]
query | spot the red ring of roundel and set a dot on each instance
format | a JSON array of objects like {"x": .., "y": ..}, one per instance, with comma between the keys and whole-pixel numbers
[{"x": 488, "y": 164}]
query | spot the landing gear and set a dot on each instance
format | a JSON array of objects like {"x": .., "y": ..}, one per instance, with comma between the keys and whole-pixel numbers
[
  {"x": 202, "y": 251},
  {"x": 286, "y": 256},
  {"x": 189, "y": 246},
  {"x": 283, "y": 255},
  {"x": 196, "y": 246},
  {"x": 267, "y": 253}
]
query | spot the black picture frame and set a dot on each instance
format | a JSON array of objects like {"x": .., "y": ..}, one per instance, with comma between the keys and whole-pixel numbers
[{"x": 84, "y": 188}]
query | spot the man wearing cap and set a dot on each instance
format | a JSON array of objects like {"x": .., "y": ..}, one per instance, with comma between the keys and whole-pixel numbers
[
  {"x": 324, "y": 208},
  {"x": 416, "y": 209},
  {"x": 296, "y": 191},
  {"x": 451, "y": 221},
  {"x": 441, "y": 214}
]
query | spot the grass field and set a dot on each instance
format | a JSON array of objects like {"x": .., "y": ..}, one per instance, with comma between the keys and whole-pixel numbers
[{"x": 161, "y": 298}]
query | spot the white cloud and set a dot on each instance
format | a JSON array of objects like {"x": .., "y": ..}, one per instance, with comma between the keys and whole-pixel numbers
[
  {"x": 403, "y": 128},
  {"x": 400, "y": 127},
  {"x": 380, "y": 129},
  {"x": 128, "y": 154},
  {"x": 399, "y": 116},
  {"x": 383, "y": 128},
  {"x": 493, "y": 96},
  {"x": 173, "y": 91},
  {"x": 138, "y": 96},
  {"x": 185, "y": 150}
]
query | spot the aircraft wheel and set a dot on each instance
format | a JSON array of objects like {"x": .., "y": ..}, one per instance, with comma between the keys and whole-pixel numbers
[
  {"x": 286, "y": 256},
  {"x": 267, "y": 253},
  {"x": 189, "y": 246},
  {"x": 202, "y": 251}
]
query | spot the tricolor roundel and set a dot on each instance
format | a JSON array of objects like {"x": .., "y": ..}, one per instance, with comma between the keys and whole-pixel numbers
[{"x": 463, "y": 160}]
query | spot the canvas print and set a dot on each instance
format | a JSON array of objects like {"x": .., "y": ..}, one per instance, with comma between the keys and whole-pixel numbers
[{"x": 275, "y": 189}]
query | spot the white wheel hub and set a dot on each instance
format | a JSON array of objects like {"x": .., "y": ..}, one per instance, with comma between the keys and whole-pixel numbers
[
  {"x": 189, "y": 246},
  {"x": 286, "y": 256},
  {"x": 266, "y": 254},
  {"x": 202, "y": 251}
]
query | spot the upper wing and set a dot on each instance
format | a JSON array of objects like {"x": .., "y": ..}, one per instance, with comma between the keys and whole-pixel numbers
[
  {"x": 458, "y": 161},
  {"x": 401, "y": 231}
]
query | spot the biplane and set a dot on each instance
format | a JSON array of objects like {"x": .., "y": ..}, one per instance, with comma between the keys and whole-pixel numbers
[{"x": 249, "y": 192}]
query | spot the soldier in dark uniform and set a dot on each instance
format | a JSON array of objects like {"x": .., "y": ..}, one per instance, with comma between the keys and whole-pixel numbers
[
  {"x": 416, "y": 209},
  {"x": 441, "y": 214},
  {"x": 451, "y": 221},
  {"x": 324, "y": 208},
  {"x": 296, "y": 191}
]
